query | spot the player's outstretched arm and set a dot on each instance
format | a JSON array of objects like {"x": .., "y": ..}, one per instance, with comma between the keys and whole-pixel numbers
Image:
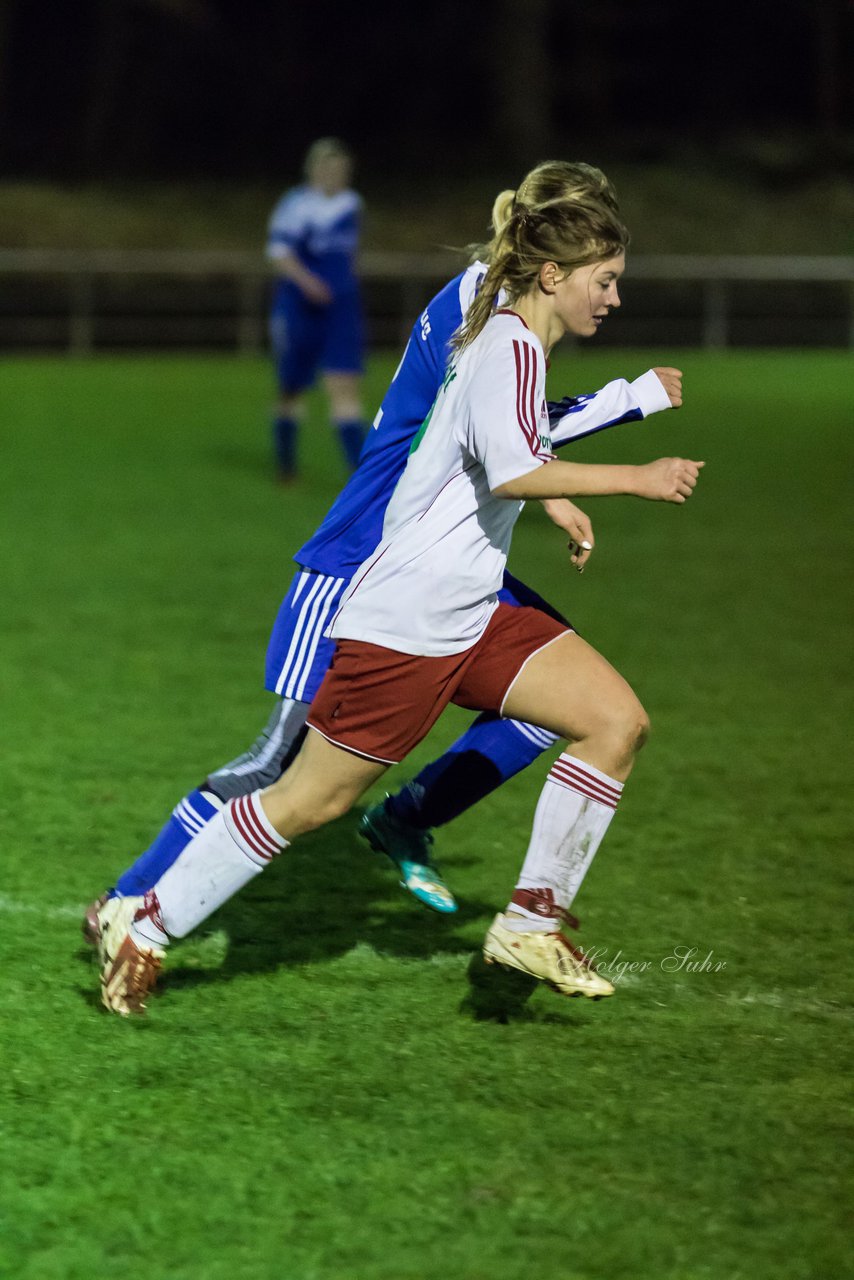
[
  {"x": 665, "y": 480},
  {"x": 619, "y": 401}
]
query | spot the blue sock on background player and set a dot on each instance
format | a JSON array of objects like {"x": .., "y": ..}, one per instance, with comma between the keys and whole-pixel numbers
[
  {"x": 486, "y": 755},
  {"x": 285, "y": 444},
  {"x": 352, "y": 435},
  {"x": 187, "y": 819}
]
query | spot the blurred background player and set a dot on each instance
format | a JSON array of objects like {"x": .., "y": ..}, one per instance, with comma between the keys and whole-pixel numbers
[{"x": 316, "y": 322}]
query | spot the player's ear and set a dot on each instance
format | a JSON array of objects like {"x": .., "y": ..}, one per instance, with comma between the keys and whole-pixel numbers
[{"x": 548, "y": 277}]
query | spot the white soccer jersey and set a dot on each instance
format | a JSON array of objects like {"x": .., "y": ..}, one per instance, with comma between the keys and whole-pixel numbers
[
  {"x": 307, "y": 219},
  {"x": 430, "y": 586}
]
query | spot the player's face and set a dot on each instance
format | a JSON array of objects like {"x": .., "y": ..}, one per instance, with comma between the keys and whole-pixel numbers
[
  {"x": 584, "y": 297},
  {"x": 332, "y": 174}
]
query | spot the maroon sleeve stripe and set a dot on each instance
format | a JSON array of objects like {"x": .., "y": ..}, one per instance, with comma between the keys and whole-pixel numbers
[
  {"x": 525, "y": 384},
  {"x": 526, "y": 389},
  {"x": 530, "y": 416}
]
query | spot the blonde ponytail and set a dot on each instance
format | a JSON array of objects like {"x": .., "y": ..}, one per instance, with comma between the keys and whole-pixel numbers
[
  {"x": 487, "y": 296},
  {"x": 501, "y": 210}
]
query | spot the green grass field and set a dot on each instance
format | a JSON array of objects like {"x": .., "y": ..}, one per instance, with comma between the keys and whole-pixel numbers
[{"x": 316, "y": 1094}]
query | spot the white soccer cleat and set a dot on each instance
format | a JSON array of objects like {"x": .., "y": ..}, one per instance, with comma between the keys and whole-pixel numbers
[
  {"x": 128, "y": 971},
  {"x": 551, "y": 957}
]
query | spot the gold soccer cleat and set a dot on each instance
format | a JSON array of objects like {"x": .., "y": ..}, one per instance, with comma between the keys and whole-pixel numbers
[
  {"x": 548, "y": 956},
  {"x": 128, "y": 971}
]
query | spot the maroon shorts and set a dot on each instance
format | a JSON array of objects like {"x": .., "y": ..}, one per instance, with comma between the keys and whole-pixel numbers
[{"x": 380, "y": 703}]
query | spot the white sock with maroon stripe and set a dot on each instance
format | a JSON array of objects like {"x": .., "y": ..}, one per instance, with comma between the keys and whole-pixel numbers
[
  {"x": 574, "y": 811},
  {"x": 228, "y": 852}
]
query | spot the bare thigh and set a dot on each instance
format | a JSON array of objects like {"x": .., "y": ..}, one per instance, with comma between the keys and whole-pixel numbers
[
  {"x": 572, "y": 690},
  {"x": 323, "y": 782}
]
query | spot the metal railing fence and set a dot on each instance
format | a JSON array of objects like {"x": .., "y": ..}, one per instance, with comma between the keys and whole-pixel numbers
[{"x": 88, "y": 300}]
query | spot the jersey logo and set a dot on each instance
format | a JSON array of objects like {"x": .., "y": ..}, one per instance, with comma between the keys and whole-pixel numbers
[{"x": 425, "y": 326}]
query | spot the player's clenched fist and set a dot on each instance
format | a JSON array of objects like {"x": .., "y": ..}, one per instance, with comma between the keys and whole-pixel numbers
[
  {"x": 668, "y": 479},
  {"x": 671, "y": 380}
]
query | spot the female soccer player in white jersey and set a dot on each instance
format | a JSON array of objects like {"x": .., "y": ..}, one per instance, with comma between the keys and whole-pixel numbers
[
  {"x": 493, "y": 749},
  {"x": 316, "y": 317},
  {"x": 421, "y": 625}
]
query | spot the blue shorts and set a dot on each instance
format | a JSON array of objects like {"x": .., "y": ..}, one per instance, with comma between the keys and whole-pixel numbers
[
  {"x": 306, "y": 339},
  {"x": 299, "y": 654}
]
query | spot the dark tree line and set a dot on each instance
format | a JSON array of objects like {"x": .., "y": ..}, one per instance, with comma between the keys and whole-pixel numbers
[{"x": 209, "y": 88}]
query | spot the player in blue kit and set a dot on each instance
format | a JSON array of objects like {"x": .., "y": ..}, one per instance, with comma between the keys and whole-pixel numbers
[
  {"x": 493, "y": 749},
  {"x": 316, "y": 321}
]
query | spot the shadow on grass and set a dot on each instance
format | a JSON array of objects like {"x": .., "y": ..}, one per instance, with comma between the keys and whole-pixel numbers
[
  {"x": 324, "y": 898},
  {"x": 321, "y": 900},
  {"x": 496, "y": 994}
]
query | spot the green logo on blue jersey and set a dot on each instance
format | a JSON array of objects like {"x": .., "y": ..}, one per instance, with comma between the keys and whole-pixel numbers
[{"x": 450, "y": 374}]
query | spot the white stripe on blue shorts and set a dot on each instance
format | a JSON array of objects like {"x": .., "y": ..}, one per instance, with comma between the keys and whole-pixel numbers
[{"x": 313, "y": 608}]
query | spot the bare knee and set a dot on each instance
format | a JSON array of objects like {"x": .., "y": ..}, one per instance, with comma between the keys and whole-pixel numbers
[
  {"x": 295, "y": 810},
  {"x": 615, "y": 734},
  {"x": 640, "y": 729},
  {"x": 322, "y": 784},
  {"x": 628, "y": 728}
]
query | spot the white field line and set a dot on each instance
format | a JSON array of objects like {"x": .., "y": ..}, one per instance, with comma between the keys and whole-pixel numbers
[
  {"x": 13, "y": 906},
  {"x": 680, "y": 990},
  {"x": 780, "y": 1000},
  {"x": 364, "y": 952}
]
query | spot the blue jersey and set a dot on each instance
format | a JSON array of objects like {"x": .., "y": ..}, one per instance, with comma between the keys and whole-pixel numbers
[
  {"x": 353, "y": 528},
  {"x": 321, "y": 231}
]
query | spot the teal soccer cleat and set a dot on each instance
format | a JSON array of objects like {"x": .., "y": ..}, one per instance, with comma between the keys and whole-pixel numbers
[{"x": 409, "y": 849}]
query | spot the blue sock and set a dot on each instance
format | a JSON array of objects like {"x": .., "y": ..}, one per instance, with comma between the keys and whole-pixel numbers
[
  {"x": 486, "y": 755},
  {"x": 188, "y": 817},
  {"x": 285, "y": 444},
  {"x": 352, "y": 435}
]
